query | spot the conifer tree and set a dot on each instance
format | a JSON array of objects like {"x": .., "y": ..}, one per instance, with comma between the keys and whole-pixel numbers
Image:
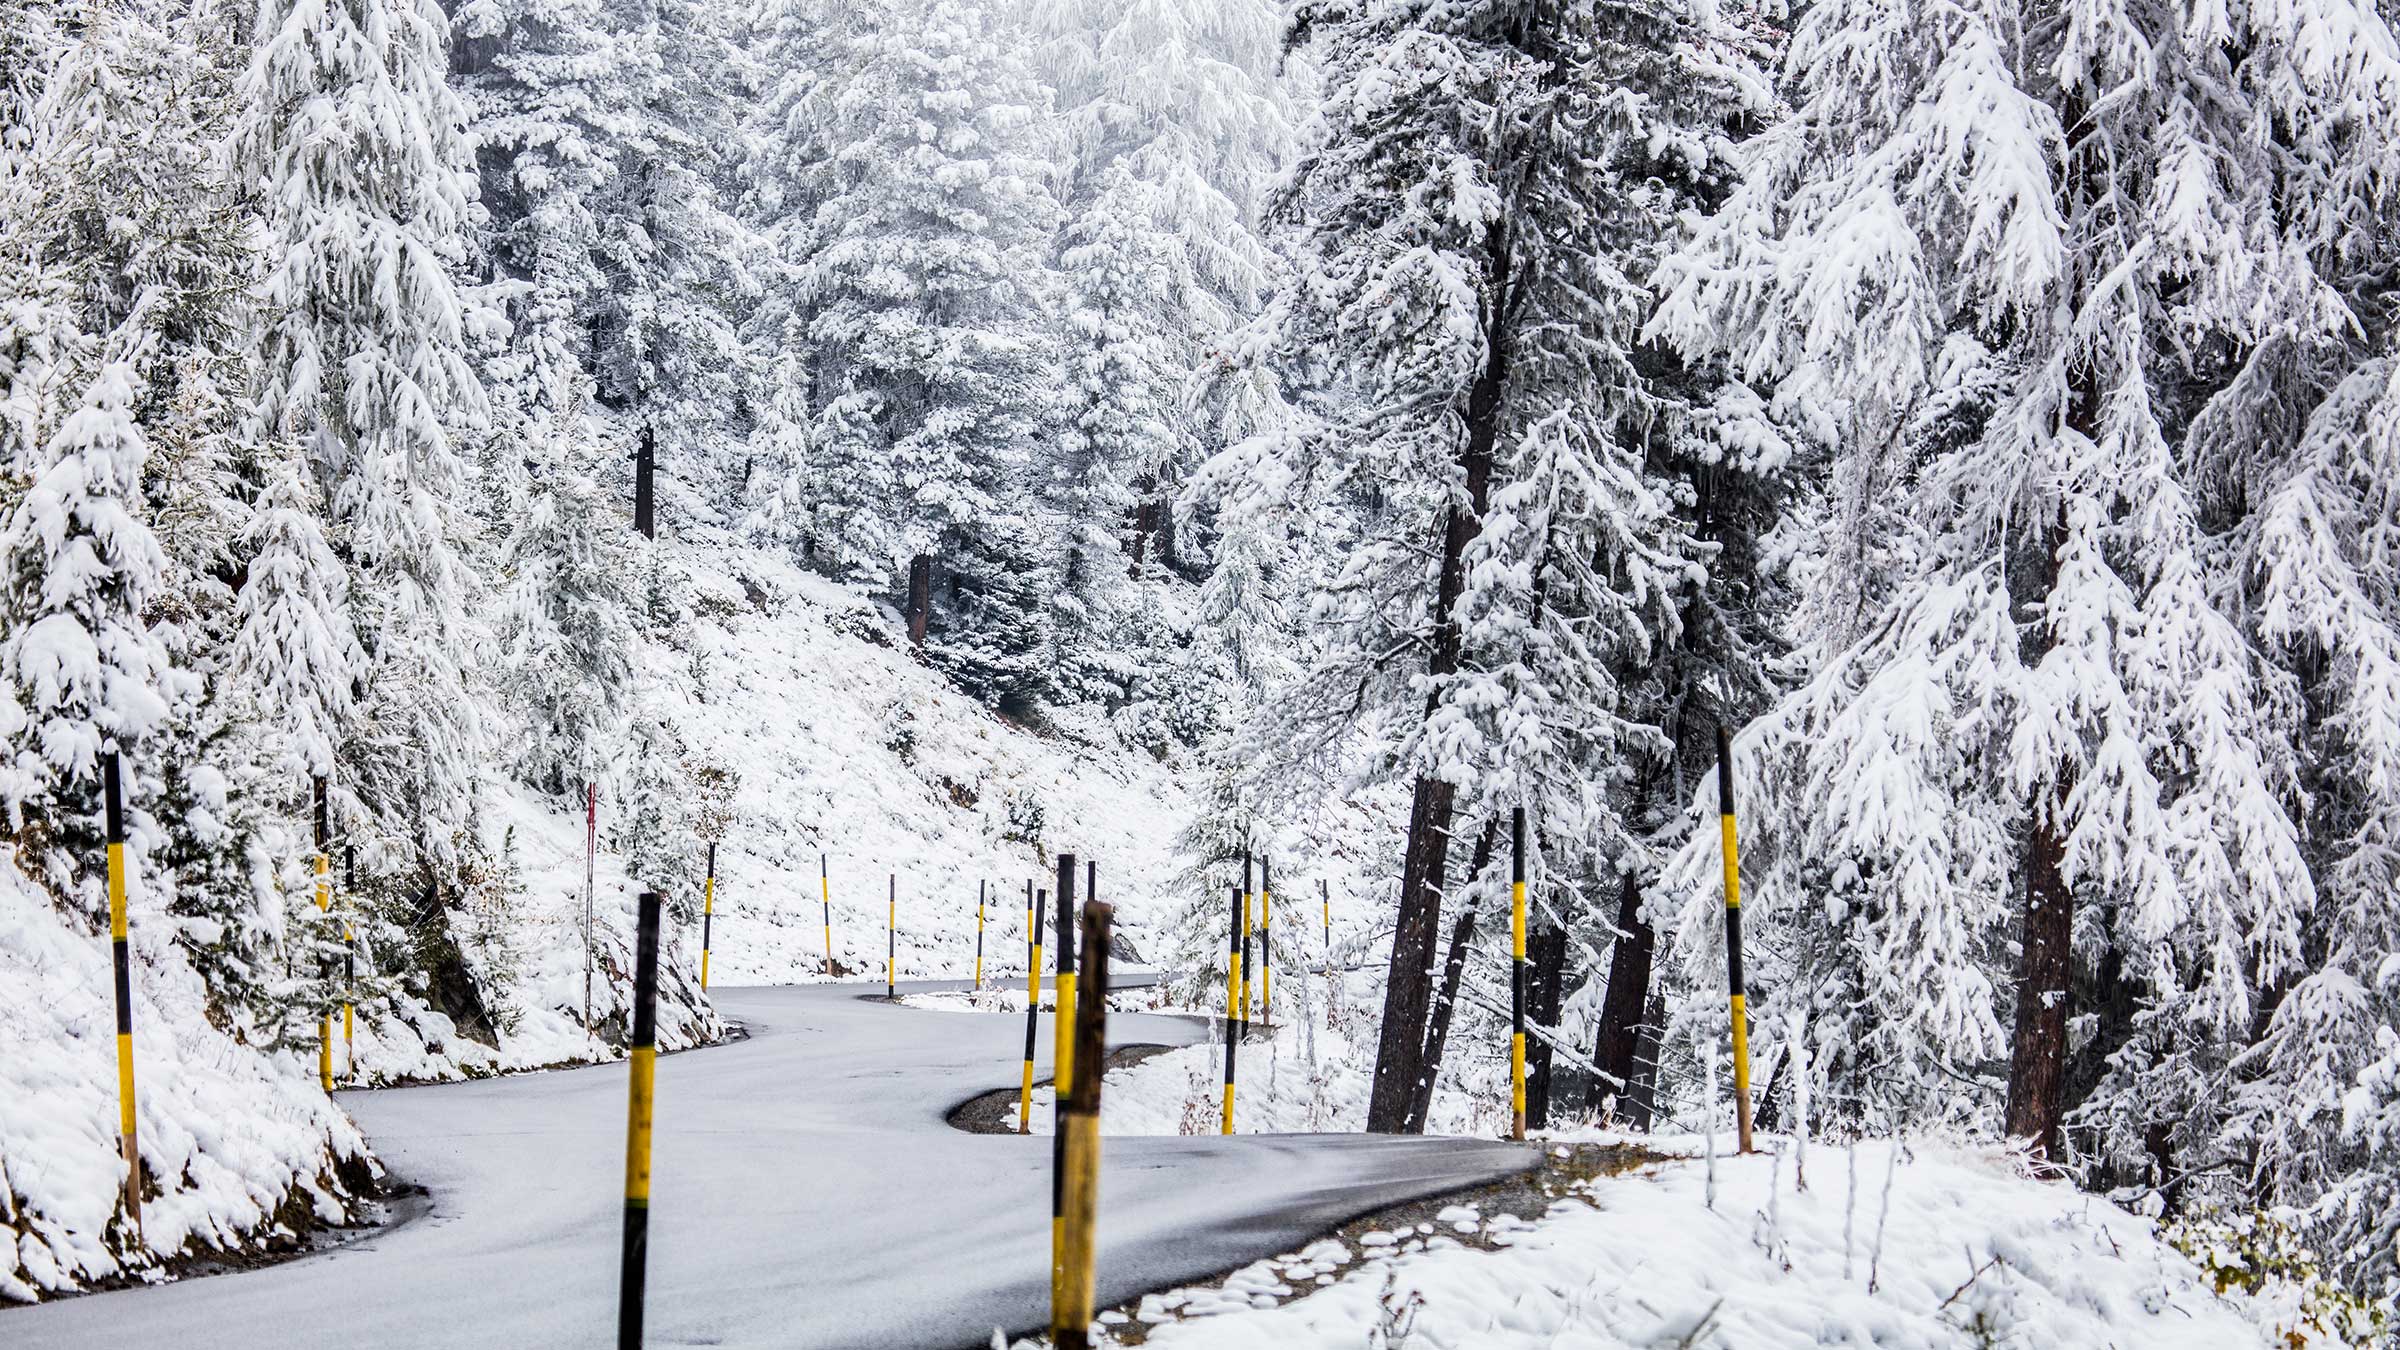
[
  {"x": 566, "y": 630},
  {"x": 925, "y": 294},
  {"x": 1464, "y": 316},
  {"x": 2015, "y": 279},
  {"x": 357, "y": 141}
]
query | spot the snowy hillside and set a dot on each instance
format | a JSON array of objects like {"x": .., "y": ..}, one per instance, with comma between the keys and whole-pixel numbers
[
  {"x": 241, "y": 1148},
  {"x": 853, "y": 754}
]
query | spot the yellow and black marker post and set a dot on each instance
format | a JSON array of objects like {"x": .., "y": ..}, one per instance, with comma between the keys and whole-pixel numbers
[
  {"x": 112, "y": 791},
  {"x": 349, "y": 965},
  {"x": 1266, "y": 940},
  {"x": 1033, "y": 999},
  {"x": 1249, "y": 897},
  {"x": 1076, "y": 1182},
  {"x": 633, "y": 1269},
  {"x": 1516, "y": 973},
  {"x": 708, "y": 914},
  {"x": 324, "y": 903},
  {"x": 1325, "y": 898},
  {"x": 1062, "y": 1060},
  {"x": 825, "y": 898},
  {"x": 891, "y": 940},
  {"x": 1233, "y": 1001},
  {"x": 979, "y": 935},
  {"x": 1733, "y": 938}
]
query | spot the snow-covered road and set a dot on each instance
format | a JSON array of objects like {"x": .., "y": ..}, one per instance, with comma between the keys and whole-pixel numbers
[{"x": 807, "y": 1192}]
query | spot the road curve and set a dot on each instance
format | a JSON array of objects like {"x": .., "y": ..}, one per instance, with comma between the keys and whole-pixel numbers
[{"x": 806, "y": 1192}]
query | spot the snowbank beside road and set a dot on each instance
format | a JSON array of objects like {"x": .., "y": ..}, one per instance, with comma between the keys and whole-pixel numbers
[
  {"x": 239, "y": 1146},
  {"x": 1957, "y": 1248}
]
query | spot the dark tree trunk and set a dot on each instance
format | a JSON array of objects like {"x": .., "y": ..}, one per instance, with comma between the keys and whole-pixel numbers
[
  {"x": 1437, "y": 1036},
  {"x": 1549, "y": 976},
  {"x": 1628, "y": 992},
  {"x": 2037, "y": 1068},
  {"x": 450, "y": 985},
  {"x": 920, "y": 599},
  {"x": 1637, "y": 1105},
  {"x": 1148, "y": 510},
  {"x": 1408, "y": 981},
  {"x": 1408, "y": 986},
  {"x": 2037, "y": 1063}
]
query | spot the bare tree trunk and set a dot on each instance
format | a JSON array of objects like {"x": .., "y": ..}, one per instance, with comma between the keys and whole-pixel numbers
[
  {"x": 1399, "y": 1049},
  {"x": 1145, "y": 515},
  {"x": 920, "y": 599},
  {"x": 1628, "y": 991},
  {"x": 1549, "y": 987}
]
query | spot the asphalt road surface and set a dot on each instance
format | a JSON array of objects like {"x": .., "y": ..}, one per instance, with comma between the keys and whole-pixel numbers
[{"x": 806, "y": 1192}]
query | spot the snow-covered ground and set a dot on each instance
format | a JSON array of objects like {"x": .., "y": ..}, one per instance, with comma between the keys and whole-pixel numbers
[
  {"x": 1891, "y": 1245},
  {"x": 854, "y": 756},
  {"x": 238, "y": 1145}
]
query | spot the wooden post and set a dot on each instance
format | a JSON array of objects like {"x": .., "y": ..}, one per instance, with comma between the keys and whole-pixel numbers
[
  {"x": 642, "y": 1055},
  {"x": 591, "y": 847},
  {"x": 349, "y": 965},
  {"x": 1733, "y": 937},
  {"x": 1249, "y": 897},
  {"x": 1079, "y": 1179},
  {"x": 121, "y": 959},
  {"x": 1233, "y": 1001},
  {"x": 645, "y": 467},
  {"x": 1266, "y": 940}
]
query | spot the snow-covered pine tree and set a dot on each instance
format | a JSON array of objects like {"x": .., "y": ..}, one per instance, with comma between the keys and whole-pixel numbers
[
  {"x": 2315, "y": 1117},
  {"x": 566, "y": 629},
  {"x": 125, "y": 212},
  {"x": 547, "y": 108},
  {"x": 84, "y": 673},
  {"x": 679, "y": 263},
  {"x": 294, "y": 651},
  {"x": 601, "y": 134},
  {"x": 1463, "y": 315},
  {"x": 1183, "y": 103},
  {"x": 1125, "y": 422},
  {"x": 925, "y": 293},
  {"x": 357, "y": 143},
  {"x": 2010, "y": 276}
]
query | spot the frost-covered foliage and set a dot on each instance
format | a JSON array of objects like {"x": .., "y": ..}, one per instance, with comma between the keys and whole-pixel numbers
[
  {"x": 350, "y": 126},
  {"x": 2094, "y": 354}
]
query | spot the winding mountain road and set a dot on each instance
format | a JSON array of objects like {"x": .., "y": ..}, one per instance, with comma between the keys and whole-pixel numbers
[{"x": 807, "y": 1191}]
